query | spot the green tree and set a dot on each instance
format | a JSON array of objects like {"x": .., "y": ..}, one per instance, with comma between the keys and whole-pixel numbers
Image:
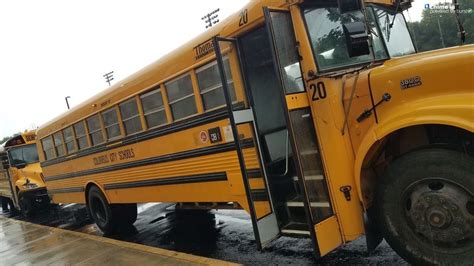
[{"x": 440, "y": 30}]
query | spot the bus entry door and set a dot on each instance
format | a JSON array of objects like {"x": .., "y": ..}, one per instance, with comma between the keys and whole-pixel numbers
[
  {"x": 243, "y": 125},
  {"x": 314, "y": 186}
]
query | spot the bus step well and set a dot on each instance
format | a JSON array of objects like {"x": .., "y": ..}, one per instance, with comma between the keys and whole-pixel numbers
[{"x": 296, "y": 229}]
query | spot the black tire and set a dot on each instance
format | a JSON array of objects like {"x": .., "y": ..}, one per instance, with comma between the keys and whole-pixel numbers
[
  {"x": 11, "y": 206},
  {"x": 4, "y": 204},
  {"x": 109, "y": 217},
  {"x": 8, "y": 206},
  {"x": 425, "y": 207}
]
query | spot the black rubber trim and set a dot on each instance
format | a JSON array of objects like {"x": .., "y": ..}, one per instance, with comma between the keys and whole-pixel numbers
[
  {"x": 199, "y": 120},
  {"x": 260, "y": 195},
  {"x": 66, "y": 190},
  {"x": 169, "y": 181},
  {"x": 254, "y": 173},
  {"x": 154, "y": 160}
]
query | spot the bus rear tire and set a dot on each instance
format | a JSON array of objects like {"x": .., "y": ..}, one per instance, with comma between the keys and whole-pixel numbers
[
  {"x": 109, "y": 217},
  {"x": 425, "y": 207}
]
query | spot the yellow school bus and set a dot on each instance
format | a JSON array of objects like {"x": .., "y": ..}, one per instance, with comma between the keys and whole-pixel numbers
[
  {"x": 21, "y": 180},
  {"x": 296, "y": 113}
]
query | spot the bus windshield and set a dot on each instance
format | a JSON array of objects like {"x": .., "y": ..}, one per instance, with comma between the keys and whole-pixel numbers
[
  {"x": 395, "y": 33},
  {"x": 329, "y": 44},
  {"x": 25, "y": 154}
]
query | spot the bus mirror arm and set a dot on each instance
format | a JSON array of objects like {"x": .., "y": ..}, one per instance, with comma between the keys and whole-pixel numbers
[
  {"x": 367, "y": 113},
  {"x": 5, "y": 164}
]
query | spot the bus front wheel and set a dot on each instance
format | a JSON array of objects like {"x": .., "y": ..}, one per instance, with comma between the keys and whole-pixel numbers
[
  {"x": 425, "y": 207},
  {"x": 27, "y": 208},
  {"x": 110, "y": 217}
]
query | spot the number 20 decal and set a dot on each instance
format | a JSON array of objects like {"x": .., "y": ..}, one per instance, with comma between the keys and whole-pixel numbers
[
  {"x": 244, "y": 18},
  {"x": 319, "y": 91}
]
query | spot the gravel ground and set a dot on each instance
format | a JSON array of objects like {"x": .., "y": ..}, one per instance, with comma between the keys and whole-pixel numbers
[{"x": 224, "y": 234}]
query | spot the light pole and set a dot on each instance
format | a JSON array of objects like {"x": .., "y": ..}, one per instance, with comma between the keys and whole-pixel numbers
[{"x": 67, "y": 102}]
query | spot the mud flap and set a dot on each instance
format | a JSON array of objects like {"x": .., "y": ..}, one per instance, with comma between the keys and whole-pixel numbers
[{"x": 373, "y": 236}]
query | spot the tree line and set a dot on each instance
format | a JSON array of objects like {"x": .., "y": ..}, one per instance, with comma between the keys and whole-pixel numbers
[{"x": 438, "y": 30}]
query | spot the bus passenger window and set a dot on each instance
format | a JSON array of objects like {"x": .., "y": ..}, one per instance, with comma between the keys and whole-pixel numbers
[
  {"x": 181, "y": 97},
  {"x": 58, "y": 144},
  {"x": 210, "y": 85},
  {"x": 111, "y": 123},
  {"x": 69, "y": 140},
  {"x": 153, "y": 108},
  {"x": 48, "y": 148},
  {"x": 95, "y": 131},
  {"x": 81, "y": 135},
  {"x": 130, "y": 117}
]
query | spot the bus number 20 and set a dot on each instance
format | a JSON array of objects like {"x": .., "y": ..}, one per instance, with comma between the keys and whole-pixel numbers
[{"x": 319, "y": 91}]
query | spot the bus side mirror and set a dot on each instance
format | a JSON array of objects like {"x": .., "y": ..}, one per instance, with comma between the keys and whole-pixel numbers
[
  {"x": 5, "y": 164},
  {"x": 357, "y": 39},
  {"x": 348, "y": 5}
]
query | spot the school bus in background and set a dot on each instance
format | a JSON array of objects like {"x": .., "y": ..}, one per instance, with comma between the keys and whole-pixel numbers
[
  {"x": 21, "y": 180},
  {"x": 286, "y": 111}
]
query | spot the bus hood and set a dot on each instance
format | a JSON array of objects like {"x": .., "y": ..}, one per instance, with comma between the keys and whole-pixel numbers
[
  {"x": 33, "y": 173},
  {"x": 423, "y": 75}
]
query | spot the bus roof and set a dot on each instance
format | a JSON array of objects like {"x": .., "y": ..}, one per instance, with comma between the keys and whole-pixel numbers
[
  {"x": 167, "y": 67},
  {"x": 25, "y": 138}
]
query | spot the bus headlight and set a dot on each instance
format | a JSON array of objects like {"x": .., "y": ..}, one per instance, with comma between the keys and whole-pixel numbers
[{"x": 29, "y": 185}]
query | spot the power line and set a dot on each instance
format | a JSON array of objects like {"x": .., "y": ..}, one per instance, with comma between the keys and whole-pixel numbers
[{"x": 109, "y": 77}]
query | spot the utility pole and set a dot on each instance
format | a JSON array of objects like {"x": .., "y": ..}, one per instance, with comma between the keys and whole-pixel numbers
[
  {"x": 109, "y": 77},
  {"x": 211, "y": 18},
  {"x": 67, "y": 102}
]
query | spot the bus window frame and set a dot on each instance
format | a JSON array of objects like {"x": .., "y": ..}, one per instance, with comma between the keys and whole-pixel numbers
[
  {"x": 118, "y": 123},
  {"x": 154, "y": 90},
  {"x": 101, "y": 129},
  {"x": 73, "y": 140},
  {"x": 53, "y": 147},
  {"x": 208, "y": 65},
  {"x": 193, "y": 94},
  {"x": 63, "y": 144},
  {"x": 81, "y": 136},
  {"x": 138, "y": 115}
]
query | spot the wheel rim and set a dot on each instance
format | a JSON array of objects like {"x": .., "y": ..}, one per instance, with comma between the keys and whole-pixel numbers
[
  {"x": 441, "y": 213},
  {"x": 98, "y": 209}
]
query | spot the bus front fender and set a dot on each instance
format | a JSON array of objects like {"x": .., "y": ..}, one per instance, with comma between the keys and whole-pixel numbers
[{"x": 455, "y": 110}]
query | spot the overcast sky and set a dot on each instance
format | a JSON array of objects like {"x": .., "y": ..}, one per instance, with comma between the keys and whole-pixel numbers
[{"x": 51, "y": 49}]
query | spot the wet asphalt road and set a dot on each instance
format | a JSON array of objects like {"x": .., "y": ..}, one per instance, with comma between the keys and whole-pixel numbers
[{"x": 224, "y": 234}]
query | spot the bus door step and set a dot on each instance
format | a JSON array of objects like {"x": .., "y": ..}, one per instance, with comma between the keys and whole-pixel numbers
[
  {"x": 296, "y": 229},
  {"x": 312, "y": 204}
]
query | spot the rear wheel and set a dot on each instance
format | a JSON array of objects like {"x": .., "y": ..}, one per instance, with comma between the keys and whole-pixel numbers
[
  {"x": 8, "y": 206},
  {"x": 110, "y": 217},
  {"x": 426, "y": 207}
]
